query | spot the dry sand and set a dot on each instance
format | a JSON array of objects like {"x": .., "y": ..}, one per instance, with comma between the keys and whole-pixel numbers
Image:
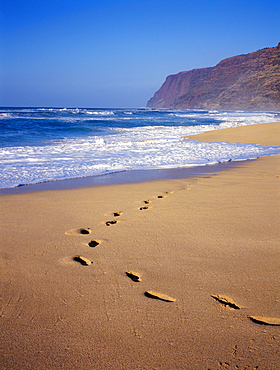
[
  {"x": 169, "y": 286},
  {"x": 263, "y": 134}
]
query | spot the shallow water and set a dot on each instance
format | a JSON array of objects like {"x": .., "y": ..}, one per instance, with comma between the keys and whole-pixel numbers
[{"x": 47, "y": 144}]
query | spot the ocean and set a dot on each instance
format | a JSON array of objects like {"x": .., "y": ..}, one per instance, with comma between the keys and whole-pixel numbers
[{"x": 47, "y": 144}]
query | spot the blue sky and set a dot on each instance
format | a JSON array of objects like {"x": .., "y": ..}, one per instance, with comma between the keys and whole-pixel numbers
[{"x": 117, "y": 53}]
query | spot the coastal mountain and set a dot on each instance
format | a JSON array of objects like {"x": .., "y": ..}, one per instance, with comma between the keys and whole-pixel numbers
[{"x": 247, "y": 82}]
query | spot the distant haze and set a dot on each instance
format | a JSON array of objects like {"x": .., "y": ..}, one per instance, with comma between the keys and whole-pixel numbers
[{"x": 247, "y": 82}]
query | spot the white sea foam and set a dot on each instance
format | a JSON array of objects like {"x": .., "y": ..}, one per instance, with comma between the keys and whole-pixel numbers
[
  {"x": 99, "y": 113},
  {"x": 145, "y": 148},
  {"x": 231, "y": 119},
  {"x": 124, "y": 147},
  {"x": 5, "y": 115}
]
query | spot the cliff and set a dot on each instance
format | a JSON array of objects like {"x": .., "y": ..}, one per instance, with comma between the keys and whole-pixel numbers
[{"x": 246, "y": 82}]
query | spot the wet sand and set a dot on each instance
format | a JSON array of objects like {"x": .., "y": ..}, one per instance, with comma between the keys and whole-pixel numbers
[{"x": 166, "y": 274}]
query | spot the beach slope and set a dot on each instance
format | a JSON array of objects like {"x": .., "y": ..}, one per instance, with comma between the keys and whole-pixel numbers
[{"x": 169, "y": 274}]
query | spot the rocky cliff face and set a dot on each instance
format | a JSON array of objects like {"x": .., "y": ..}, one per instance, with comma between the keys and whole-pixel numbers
[{"x": 246, "y": 82}]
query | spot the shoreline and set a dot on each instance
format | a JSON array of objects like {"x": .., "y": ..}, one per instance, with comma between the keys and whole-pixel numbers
[
  {"x": 167, "y": 274},
  {"x": 241, "y": 134},
  {"x": 123, "y": 177}
]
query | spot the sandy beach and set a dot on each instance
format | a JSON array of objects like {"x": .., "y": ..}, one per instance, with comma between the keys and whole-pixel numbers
[{"x": 168, "y": 274}]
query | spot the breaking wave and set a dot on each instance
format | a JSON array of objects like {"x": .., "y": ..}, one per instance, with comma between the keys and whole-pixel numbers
[{"x": 51, "y": 146}]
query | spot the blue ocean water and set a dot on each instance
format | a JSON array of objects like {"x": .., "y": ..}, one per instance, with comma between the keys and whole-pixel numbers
[{"x": 47, "y": 144}]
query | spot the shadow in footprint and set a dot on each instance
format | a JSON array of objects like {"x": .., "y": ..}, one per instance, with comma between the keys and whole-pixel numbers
[
  {"x": 145, "y": 207},
  {"x": 226, "y": 301},
  {"x": 109, "y": 223},
  {"x": 80, "y": 231},
  {"x": 85, "y": 231},
  {"x": 93, "y": 243},
  {"x": 83, "y": 260},
  {"x": 160, "y": 296},
  {"x": 117, "y": 214},
  {"x": 134, "y": 276},
  {"x": 262, "y": 320}
]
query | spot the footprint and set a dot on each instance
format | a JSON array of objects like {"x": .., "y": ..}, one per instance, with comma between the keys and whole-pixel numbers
[
  {"x": 116, "y": 214},
  {"x": 226, "y": 301},
  {"x": 133, "y": 276},
  {"x": 161, "y": 196},
  {"x": 265, "y": 320},
  {"x": 147, "y": 201},
  {"x": 83, "y": 260},
  {"x": 160, "y": 296},
  {"x": 225, "y": 365},
  {"x": 94, "y": 243},
  {"x": 80, "y": 231},
  {"x": 109, "y": 223},
  {"x": 145, "y": 207}
]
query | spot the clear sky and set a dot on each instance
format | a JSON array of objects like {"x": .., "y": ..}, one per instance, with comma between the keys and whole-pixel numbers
[{"x": 117, "y": 53}]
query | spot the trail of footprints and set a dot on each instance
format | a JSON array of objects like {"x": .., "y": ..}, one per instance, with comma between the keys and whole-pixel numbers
[
  {"x": 225, "y": 301},
  {"x": 229, "y": 303}
]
